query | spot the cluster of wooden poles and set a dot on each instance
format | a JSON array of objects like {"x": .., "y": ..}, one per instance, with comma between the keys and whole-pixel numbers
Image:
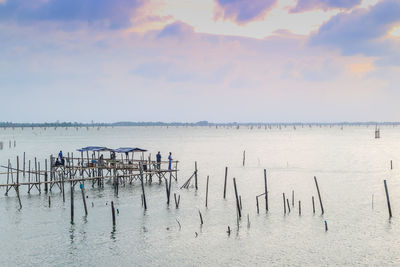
[
  {"x": 10, "y": 144},
  {"x": 168, "y": 182}
]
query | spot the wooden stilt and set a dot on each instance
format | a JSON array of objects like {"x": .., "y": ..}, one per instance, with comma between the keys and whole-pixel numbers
[
  {"x": 319, "y": 195},
  {"x": 226, "y": 176},
  {"x": 387, "y": 199},
  {"x": 237, "y": 199},
  {"x": 266, "y": 191},
  {"x": 207, "y": 191}
]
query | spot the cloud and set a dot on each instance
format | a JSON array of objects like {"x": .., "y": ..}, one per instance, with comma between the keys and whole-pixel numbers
[
  {"x": 176, "y": 29},
  {"x": 243, "y": 11},
  {"x": 362, "y": 31},
  {"x": 113, "y": 14},
  {"x": 306, "y": 5}
]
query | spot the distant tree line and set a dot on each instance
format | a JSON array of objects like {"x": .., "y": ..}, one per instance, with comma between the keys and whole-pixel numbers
[{"x": 199, "y": 123}]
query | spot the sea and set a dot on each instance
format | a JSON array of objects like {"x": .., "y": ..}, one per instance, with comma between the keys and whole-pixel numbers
[{"x": 349, "y": 163}]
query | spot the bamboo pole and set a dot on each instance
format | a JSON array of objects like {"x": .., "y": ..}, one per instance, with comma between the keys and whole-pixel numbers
[
  {"x": 141, "y": 180},
  {"x": 226, "y": 176},
  {"x": 266, "y": 191},
  {"x": 84, "y": 199},
  {"x": 319, "y": 195},
  {"x": 207, "y": 191},
  {"x": 387, "y": 199},
  {"x": 195, "y": 175},
  {"x": 237, "y": 199}
]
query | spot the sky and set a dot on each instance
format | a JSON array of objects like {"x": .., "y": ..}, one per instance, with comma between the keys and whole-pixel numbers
[{"x": 192, "y": 60}]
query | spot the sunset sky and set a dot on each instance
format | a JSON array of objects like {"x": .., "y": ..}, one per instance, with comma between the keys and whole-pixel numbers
[{"x": 191, "y": 60}]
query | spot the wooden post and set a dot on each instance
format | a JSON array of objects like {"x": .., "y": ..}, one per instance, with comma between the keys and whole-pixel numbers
[
  {"x": 63, "y": 187},
  {"x": 226, "y": 176},
  {"x": 24, "y": 166},
  {"x": 237, "y": 199},
  {"x": 113, "y": 212},
  {"x": 207, "y": 191},
  {"x": 195, "y": 175},
  {"x": 287, "y": 201},
  {"x": 387, "y": 198},
  {"x": 284, "y": 203},
  {"x": 29, "y": 172},
  {"x": 17, "y": 187},
  {"x": 244, "y": 157},
  {"x": 258, "y": 210},
  {"x": 141, "y": 179},
  {"x": 391, "y": 164},
  {"x": 176, "y": 202},
  {"x": 49, "y": 202},
  {"x": 40, "y": 191},
  {"x": 292, "y": 198},
  {"x": 166, "y": 190},
  {"x": 299, "y": 207},
  {"x": 313, "y": 204},
  {"x": 72, "y": 203},
  {"x": 201, "y": 218},
  {"x": 266, "y": 191},
  {"x": 84, "y": 199},
  {"x": 169, "y": 186},
  {"x": 319, "y": 195},
  {"x": 45, "y": 176},
  {"x": 8, "y": 176}
]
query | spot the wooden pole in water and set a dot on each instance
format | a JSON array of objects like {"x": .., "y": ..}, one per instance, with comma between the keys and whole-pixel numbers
[
  {"x": 266, "y": 191},
  {"x": 387, "y": 198},
  {"x": 313, "y": 204},
  {"x": 201, "y": 218},
  {"x": 176, "y": 202},
  {"x": 319, "y": 195},
  {"x": 244, "y": 157},
  {"x": 237, "y": 198},
  {"x": 391, "y": 165},
  {"x": 166, "y": 191},
  {"x": 72, "y": 203},
  {"x": 258, "y": 210},
  {"x": 226, "y": 176},
  {"x": 287, "y": 201},
  {"x": 299, "y": 207},
  {"x": 84, "y": 199},
  {"x": 63, "y": 187},
  {"x": 113, "y": 212},
  {"x": 169, "y": 186},
  {"x": 24, "y": 166},
  {"x": 17, "y": 188},
  {"x": 49, "y": 202},
  {"x": 292, "y": 198},
  {"x": 141, "y": 179},
  {"x": 284, "y": 203},
  {"x": 195, "y": 175},
  {"x": 45, "y": 176},
  {"x": 207, "y": 191},
  {"x": 240, "y": 202}
]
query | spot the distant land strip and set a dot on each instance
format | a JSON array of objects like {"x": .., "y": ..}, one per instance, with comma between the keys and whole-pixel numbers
[{"x": 199, "y": 123}]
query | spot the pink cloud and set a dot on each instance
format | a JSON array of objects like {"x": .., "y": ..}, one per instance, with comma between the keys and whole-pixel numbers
[{"x": 243, "y": 11}]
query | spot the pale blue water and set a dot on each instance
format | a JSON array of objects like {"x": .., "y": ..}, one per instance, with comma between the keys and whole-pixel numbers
[{"x": 350, "y": 166}]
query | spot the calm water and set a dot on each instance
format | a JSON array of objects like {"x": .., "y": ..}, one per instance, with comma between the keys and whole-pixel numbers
[{"x": 350, "y": 166}]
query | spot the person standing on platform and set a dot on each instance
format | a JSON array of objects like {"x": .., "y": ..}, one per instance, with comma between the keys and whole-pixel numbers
[
  {"x": 169, "y": 161},
  {"x": 158, "y": 156}
]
